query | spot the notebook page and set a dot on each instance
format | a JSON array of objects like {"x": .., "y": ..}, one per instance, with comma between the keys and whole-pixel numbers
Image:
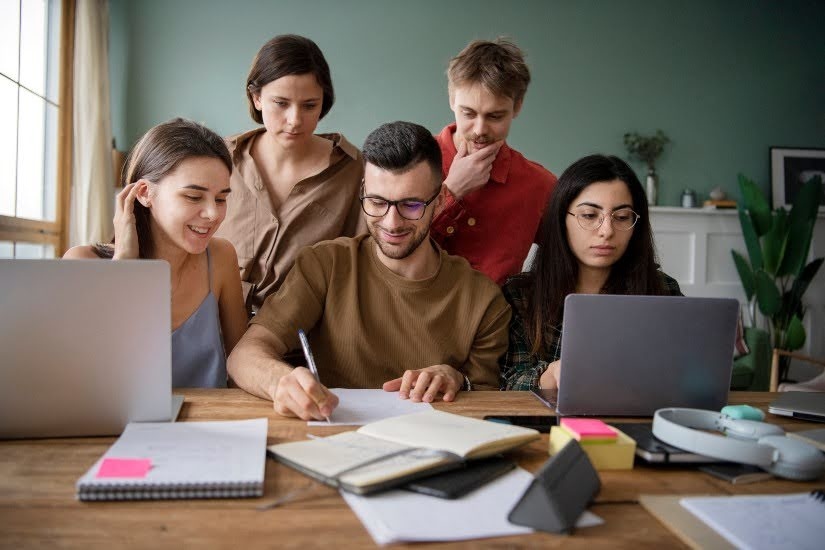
[
  {"x": 457, "y": 434},
  {"x": 190, "y": 452},
  {"x": 764, "y": 521},
  {"x": 357, "y": 407}
]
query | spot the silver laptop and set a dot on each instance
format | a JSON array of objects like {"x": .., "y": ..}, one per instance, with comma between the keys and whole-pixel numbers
[
  {"x": 631, "y": 355},
  {"x": 85, "y": 346},
  {"x": 800, "y": 404}
]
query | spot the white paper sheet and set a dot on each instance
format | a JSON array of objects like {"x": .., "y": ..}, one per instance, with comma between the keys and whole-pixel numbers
[
  {"x": 402, "y": 516},
  {"x": 359, "y": 407},
  {"x": 764, "y": 521}
]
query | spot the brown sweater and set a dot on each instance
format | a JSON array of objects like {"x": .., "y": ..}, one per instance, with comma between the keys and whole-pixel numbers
[{"x": 367, "y": 325}]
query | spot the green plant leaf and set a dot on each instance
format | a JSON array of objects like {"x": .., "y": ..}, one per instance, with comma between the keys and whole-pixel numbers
[
  {"x": 756, "y": 204},
  {"x": 775, "y": 241},
  {"x": 800, "y": 285},
  {"x": 751, "y": 239},
  {"x": 767, "y": 294},
  {"x": 801, "y": 223},
  {"x": 745, "y": 273},
  {"x": 795, "y": 336}
]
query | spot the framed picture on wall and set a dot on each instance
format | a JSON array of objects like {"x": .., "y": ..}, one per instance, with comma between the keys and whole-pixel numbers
[{"x": 790, "y": 168}]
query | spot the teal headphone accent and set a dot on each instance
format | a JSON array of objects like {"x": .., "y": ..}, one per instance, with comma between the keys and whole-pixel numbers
[{"x": 743, "y": 412}]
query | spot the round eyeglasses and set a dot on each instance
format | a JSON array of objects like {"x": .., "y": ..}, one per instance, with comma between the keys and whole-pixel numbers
[
  {"x": 590, "y": 219},
  {"x": 409, "y": 209}
]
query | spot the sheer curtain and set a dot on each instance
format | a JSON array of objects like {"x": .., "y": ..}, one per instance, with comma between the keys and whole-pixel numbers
[{"x": 93, "y": 178}]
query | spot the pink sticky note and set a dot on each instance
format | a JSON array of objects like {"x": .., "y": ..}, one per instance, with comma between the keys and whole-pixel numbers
[
  {"x": 124, "y": 467},
  {"x": 588, "y": 428}
]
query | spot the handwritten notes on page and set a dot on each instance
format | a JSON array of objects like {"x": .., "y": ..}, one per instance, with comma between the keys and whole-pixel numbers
[{"x": 359, "y": 407}]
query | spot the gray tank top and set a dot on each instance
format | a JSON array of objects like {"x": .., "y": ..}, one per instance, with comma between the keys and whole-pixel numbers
[{"x": 198, "y": 357}]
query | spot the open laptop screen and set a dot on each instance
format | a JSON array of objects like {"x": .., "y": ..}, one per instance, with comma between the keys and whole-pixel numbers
[
  {"x": 86, "y": 346},
  {"x": 631, "y": 355}
]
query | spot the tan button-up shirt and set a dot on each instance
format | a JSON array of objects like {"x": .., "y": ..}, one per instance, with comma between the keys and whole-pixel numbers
[{"x": 320, "y": 207}]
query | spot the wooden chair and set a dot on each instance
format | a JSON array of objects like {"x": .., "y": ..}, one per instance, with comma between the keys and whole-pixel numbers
[{"x": 815, "y": 384}]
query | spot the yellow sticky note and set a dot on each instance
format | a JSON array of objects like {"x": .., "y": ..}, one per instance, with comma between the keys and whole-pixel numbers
[{"x": 604, "y": 456}]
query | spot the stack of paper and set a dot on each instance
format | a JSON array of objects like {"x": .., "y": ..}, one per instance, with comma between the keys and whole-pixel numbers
[
  {"x": 607, "y": 447},
  {"x": 401, "y": 516}
]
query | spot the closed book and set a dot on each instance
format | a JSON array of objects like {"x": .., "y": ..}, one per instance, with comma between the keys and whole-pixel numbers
[
  {"x": 393, "y": 451},
  {"x": 182, "y": 460},
  {"x": 606, "y": 456},
  {"x": 736, "y": 473}
]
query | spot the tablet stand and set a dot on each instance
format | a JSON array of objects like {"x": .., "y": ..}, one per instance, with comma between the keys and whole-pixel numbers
[{"x": 560, "y": 492}]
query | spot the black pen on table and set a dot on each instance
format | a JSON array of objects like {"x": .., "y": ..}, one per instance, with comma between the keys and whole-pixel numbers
[{"x": 310, "y": 359}]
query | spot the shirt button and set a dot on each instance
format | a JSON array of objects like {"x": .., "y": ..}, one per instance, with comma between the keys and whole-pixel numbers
[
  {"x": 450, "y": 230},
  {"x": 471, "y": 222}
]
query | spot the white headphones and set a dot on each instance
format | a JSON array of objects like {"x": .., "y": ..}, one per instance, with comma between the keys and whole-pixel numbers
[{"x": 748, "y": 442}]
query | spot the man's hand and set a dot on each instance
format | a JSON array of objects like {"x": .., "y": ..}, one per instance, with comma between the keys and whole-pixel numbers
[
  {"x": 426, "y": 384},
  {"x": 471, "y": 171},
  {"x": 300, "y": 394},
  {"x": 550, "y": 379}
]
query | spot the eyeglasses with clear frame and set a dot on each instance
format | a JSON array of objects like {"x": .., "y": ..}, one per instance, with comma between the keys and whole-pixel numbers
[
  {"x": 591, "y": 219},
  {"x": 409, "y": 209}
]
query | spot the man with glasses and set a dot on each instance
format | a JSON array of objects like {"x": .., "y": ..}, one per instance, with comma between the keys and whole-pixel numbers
[
  {"x": 493, "y": 197},
  {"x": 389, "y": 309}
]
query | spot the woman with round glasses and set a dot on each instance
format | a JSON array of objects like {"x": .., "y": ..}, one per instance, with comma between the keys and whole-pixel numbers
[{"x": 595, "y": 239}]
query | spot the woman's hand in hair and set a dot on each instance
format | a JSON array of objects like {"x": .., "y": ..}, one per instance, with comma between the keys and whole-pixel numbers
[
  {"x": 126, "y": 239},
  {"x": 550, "y": 379}
]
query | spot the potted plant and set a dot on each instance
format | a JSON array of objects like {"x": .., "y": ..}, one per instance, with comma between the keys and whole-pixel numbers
[
  {"x": 647, "y": 149},
  {"x": 776, "y": 274}
]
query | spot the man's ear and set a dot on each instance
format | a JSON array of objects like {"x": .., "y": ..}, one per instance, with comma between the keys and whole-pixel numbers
[
  {"x": 144, "y": 194},
  {"x": 517, "y": 107}
]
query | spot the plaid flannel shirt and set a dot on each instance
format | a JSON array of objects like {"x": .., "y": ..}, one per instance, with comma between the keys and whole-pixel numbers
[{"x": 519, "y": 368}]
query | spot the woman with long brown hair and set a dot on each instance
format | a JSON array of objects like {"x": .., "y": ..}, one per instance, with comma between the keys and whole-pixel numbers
[
  {"x": 595, "y": 239},
  {"x": 175, "y": 186}
]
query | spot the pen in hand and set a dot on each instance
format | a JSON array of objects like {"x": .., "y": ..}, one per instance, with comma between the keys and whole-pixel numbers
[{"x": 310, "y": 359}]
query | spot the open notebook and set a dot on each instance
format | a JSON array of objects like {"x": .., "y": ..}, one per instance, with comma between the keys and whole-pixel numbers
[
  {"x": 390, "y": 452},
  {"x": 161, "y": 460}
]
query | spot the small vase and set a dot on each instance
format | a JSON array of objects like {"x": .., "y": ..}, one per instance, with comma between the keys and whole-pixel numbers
[{"x": 651, "y": 188}]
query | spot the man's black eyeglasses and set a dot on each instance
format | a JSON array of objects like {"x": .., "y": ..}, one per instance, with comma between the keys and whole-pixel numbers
[{"x": 409, "y": 209}]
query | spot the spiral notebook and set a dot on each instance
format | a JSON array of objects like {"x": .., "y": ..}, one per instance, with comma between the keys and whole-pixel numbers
[
  {"x": 162, "y": 460},
  {"x": 764, "y": 521}
]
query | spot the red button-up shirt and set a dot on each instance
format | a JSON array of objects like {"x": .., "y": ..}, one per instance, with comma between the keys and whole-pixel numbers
[{"x": 494, "y": 226}]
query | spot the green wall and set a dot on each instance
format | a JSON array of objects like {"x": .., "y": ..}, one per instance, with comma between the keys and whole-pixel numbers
[{"x": 725, "y": 79}]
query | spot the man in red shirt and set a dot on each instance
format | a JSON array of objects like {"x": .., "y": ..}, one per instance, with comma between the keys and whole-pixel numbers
[{"x": 493, "y": 197}]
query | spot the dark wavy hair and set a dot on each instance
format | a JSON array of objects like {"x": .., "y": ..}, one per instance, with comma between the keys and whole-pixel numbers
[
  {"x": 400, "y": 146},
  {"x": 555, "y": 271},
  {"x": 157, "y": 154},
  {"x": 285, "y": 55}
]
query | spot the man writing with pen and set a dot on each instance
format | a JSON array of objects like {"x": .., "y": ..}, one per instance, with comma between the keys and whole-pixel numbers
[{"x": 389, "y": 309}]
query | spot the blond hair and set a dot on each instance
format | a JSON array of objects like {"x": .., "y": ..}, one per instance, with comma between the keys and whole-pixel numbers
[{"x": 498, "y": 66}]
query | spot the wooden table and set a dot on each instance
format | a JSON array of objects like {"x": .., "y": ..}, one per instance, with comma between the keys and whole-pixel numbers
[{"x": 38, "y": 505}]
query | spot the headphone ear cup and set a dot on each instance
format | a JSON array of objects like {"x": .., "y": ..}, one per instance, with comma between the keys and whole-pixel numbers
[
  {"x": 748, "y": 429},
  {"x": 794, "y": 459}
]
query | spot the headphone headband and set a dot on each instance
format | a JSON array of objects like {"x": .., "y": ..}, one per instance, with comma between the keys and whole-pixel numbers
[
  {"x": 680, "y": 428},
  {"x": 747, "y": 442}
]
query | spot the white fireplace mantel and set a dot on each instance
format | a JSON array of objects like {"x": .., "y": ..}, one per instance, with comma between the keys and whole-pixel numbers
[{"x": 694, "y": 247}]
